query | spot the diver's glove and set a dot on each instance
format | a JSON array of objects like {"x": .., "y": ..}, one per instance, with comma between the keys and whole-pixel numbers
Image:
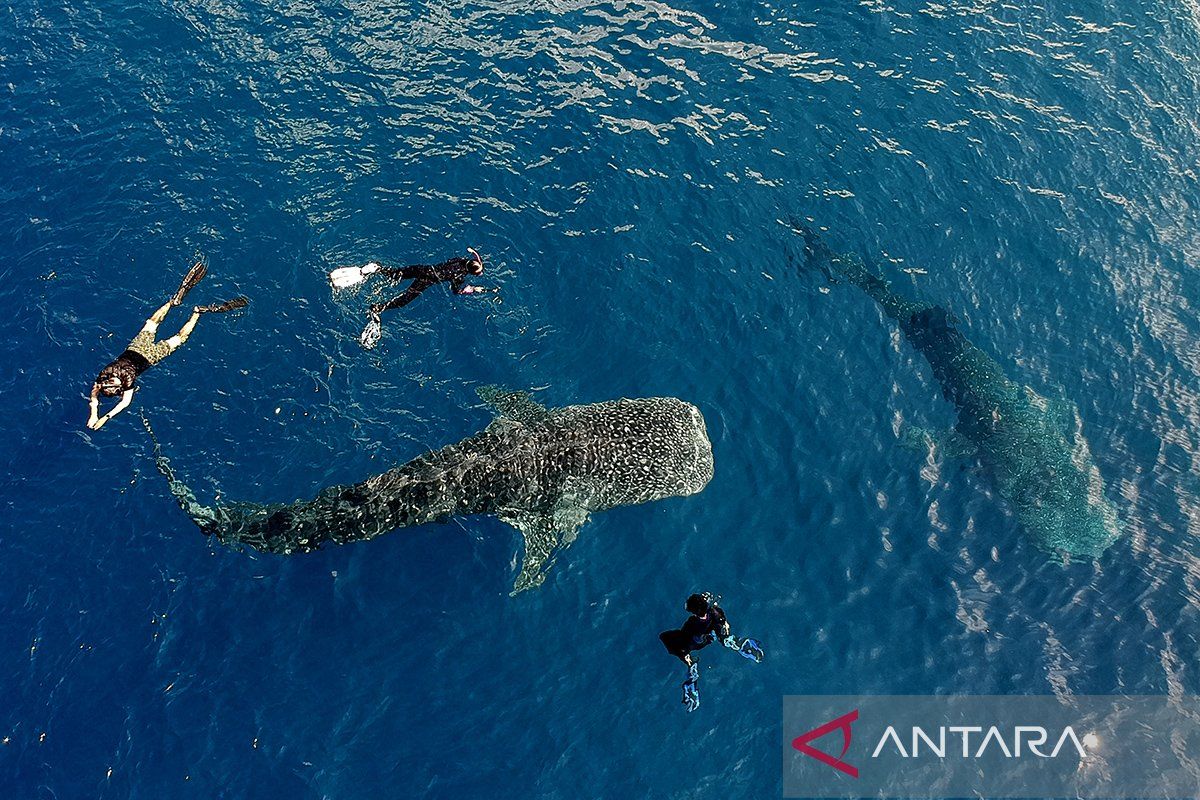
[
  {"x": 747, "y": 648},
  {"x": 345, "y": 277},
  {"x": 373, "y": 332},
  {"x": 691, "y": 695}
]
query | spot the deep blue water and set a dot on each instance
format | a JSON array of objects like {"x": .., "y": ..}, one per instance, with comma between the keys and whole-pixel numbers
[{"x": 626, "y": 168}]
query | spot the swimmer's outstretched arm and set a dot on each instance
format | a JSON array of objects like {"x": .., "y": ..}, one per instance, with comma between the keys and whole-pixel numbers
[
  {"x": 94, "y": 408},
  {"x": 467, "y": 288},
  {"x": 97, "y": 424},
  {"x": 460, "y": 286}
]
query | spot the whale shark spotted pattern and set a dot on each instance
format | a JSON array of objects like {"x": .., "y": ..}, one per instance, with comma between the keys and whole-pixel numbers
[
  {"x": 1033, "y": 448},
  {"x": 542, "y": 471}
]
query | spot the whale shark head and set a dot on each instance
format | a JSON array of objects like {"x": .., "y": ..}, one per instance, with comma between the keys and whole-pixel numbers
[
  {"x": 1045, "y": 470},
  {"x": 585, "y": 458}
]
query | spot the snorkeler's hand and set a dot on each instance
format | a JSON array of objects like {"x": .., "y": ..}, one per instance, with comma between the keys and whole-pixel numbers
[{"x": 97, "y": 424}]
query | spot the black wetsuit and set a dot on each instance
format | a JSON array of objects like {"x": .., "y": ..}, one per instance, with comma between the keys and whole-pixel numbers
[
  {"x": 126, "y": 367},
  {"x": 695, "y": 633},
  {"x": 454, "y": 272}
]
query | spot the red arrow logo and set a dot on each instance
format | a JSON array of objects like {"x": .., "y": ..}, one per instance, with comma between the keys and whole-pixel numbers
[{"x": 843, "y": 722}]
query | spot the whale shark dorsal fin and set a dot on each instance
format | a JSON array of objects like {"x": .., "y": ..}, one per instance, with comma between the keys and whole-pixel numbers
[
  {"x": 545, "y": 534},
  {"x": 519, "y": 406}
]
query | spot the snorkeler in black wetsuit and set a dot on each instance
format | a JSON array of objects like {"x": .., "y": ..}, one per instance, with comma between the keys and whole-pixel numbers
[
  {"x": 455, "y": 272},
  {"x": 706, "y": 625}
]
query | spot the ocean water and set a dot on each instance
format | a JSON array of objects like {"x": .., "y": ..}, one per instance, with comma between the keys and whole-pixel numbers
[{"x": 629, "y": 170}]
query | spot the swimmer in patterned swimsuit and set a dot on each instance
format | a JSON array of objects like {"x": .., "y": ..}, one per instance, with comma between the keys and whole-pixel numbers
[{"x": 119, "y": 377}]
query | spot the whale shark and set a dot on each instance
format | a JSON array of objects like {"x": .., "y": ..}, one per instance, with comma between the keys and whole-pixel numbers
[
  {"x": 1032, "y": 447},
  {"x": 541, "y": 471}
]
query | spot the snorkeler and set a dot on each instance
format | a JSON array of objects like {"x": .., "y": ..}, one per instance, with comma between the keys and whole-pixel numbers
[
  {"x": 454, "y": 272},
  {"x": 706, "y": 625},
  {"x": 119, "y": 377}
]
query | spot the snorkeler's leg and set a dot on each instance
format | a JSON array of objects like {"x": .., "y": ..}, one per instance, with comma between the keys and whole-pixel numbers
[
  {"x": 402, "y": 299},
  {"x": 373, "y": 331},
  {"x": 156, "y": 318},
  {"x": 410, "y": 273},
  {"x": 676, "y": 643},
  {"x": 691, "y": 692},
  {"x": 178, "y": 339},
  {"x": 172, "y": 344}
]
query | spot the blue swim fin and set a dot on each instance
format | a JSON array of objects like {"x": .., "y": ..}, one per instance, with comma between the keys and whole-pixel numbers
[
  {"x": 691, "y": 695},
  {"x": 746, "y": 648},
  {"x": 752, "y": 650}
]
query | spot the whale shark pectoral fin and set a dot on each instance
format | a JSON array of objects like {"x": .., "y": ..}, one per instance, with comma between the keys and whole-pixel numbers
[
  {"x": 518, "y": 406},
  {"x": 540, "y": 542},
  {"x": 544, "y": 535},
  {"x": 950, "y": 444}
]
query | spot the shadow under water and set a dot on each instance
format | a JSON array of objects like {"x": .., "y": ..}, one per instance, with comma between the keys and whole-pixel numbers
[{"x": 1032, "y": 447}]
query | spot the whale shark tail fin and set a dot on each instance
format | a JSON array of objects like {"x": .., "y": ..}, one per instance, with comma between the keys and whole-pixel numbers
[
  {"x": 814, "y": 244},
  {"x": 836, "y": 267},
  {"x": 816, "y": 255},
  {"x": 851, "y": 268},
  {"x": 205, "y": 518}
]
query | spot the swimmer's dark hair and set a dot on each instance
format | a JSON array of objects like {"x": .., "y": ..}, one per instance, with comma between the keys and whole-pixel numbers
[
  {"x": 123, "y": 371},
  {"x": 697, "y": 604}
]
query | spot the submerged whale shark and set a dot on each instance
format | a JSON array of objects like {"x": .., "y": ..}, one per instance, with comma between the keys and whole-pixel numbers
[
  {"x": 1033, "y": 448},
  {"x": 541, "y": 471}
]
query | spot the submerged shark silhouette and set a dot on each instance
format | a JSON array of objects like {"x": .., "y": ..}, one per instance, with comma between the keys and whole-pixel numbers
[
  {"x": 1033, "y": 448},
  {"x": 541, "y": 471}
]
